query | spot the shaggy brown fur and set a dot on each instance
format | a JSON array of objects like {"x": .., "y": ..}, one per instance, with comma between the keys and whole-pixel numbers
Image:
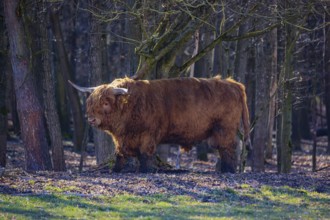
[{"x": 181, "y": 110}]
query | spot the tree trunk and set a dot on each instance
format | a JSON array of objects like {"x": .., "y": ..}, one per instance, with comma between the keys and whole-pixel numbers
[
  {"x": 78, "y": 119},
  {"x": 250, "y": 82},
  {"x": 133, "y": 30},
  {"x": 3, "y": 82},
  {"x": 272, "y": 91},
  {"x": 29, "y": 107},
  {"x": 80, "y": 56},
  {"x": 296, "y": 128},
  {"x": 61, "y": 99},
  {"x": 195, "y": 51},
  {"x": 240, "y": 62},
  {"x": 327, "y": 73},
  {"x": 52, "y": 117},
  {"x": 263, "y": 62},
  {"x": 172, "y": 36},
  {"x": 203, "y": 69},
  {"x": 285, "y": 144},
  {"x": 104, "y": 146}
]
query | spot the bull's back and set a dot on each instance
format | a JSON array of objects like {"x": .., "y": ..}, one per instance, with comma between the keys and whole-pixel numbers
[{"x": 191, "y": 108}]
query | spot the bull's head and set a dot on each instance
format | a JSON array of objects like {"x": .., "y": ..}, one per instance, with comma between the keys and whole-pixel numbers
[{"x": 101, "y": 102}]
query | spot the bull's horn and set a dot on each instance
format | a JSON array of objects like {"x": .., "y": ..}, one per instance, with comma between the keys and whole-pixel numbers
[
  {"x": 119, "y": 91},
  {"x": 82, "y": 89}
]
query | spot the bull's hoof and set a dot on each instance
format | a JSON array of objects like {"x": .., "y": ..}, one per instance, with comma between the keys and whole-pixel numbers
[
  {"x": 116, "y": 169},
  {"x": 127, "y": 168},
  {"x": 148, "y": 170},
  {"x": 225, "y": 167}
]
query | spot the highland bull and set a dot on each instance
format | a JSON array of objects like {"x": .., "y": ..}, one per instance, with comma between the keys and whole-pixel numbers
[{"x": 140, "y": 114}]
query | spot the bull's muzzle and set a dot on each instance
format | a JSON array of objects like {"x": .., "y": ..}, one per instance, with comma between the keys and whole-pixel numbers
[{"x": 94, "y": 122}]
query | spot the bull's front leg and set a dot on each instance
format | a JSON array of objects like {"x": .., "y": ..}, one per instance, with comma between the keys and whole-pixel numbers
[
  {"x": 146, "y": 163},
  {"x": 120, "y": 163}
]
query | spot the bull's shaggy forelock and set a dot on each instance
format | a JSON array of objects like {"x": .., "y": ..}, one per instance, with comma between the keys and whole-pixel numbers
[
  {"x": 95, "y": 102},
  {"x": 182, "y": 111}
]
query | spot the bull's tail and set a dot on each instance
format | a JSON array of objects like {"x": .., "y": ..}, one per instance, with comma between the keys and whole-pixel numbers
[
  {"x": 245, "y": 114},
  {"x": 246, "y": 120},
  {"x": 246, "y": 154}
]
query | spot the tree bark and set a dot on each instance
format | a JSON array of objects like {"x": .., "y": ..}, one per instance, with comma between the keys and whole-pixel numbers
[
  {"x": 170, "y": 38},
  {"x": 240, "y": 62},
  {"x": 104, "y": 146},
  {"x": 195, "y": 51},
  {"x": 285, "y": 144},
  {"x": 52, "y": 117},
  {"x": 78, "y": 119},
  {"x": 263, "y": 61},
  {"x": 29, "y": 107},
  {"x": 3, "y": 96},
  {"x": 327, "y": 73},
  {"x": 272, "y": 91},
  {"x": 296, "y": 128}
]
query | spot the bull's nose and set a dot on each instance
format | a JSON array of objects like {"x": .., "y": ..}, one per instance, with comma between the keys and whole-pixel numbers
[{"x": 91, "y": 121}]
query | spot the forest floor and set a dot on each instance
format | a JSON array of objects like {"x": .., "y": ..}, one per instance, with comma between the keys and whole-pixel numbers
[{"x": 196, "y": 180}]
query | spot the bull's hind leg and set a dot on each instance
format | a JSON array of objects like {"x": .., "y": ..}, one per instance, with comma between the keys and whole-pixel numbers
[
  {"x": 146, "y": 154},
  {"x": 224, "y": 141},
  {"x": 227, "y": 163}
]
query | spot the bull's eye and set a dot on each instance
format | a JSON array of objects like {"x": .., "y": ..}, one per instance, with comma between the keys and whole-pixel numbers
[{"x": 106, "y": 107}]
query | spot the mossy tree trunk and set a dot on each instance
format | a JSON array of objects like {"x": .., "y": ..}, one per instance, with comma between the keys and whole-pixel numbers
[{"x": 161, "y": 49}]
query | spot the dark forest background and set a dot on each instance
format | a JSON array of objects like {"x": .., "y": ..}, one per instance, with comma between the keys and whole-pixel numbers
[{"x": 280, "y": 50}]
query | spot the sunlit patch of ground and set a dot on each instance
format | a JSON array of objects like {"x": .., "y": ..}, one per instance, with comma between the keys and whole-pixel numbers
[{"x": 198, "y": 193}]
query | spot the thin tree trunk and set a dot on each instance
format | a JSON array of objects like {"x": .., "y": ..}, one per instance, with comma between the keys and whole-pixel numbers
[
  {"x": 285, "y": 144},
  {"x": 29, "y": 107},
  {"x": 261, "y": 105},
  {"x": 195, "y": 51},
  {"x": 296, "y": 129},
  {"x": 52, "y": 117},
  {"x": 134, "y": 32},
  {"x": 240, "y": 62},
  {"x": 104, "y": 146},
  {"x": 12, "y": 98},
  {"x": 200, "y": 69},
  {"x": 206, "y": 63},
  {"x": 327, "y": 73},
  {"x": 78, "y": 119},
  {"x": 3, "y": 82},
  {"x": 250, "y": 82},
  {"x": 272, "y": 91},
  {"x": 314, "y": 122},
  {"x": 63, "y": 106}
]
